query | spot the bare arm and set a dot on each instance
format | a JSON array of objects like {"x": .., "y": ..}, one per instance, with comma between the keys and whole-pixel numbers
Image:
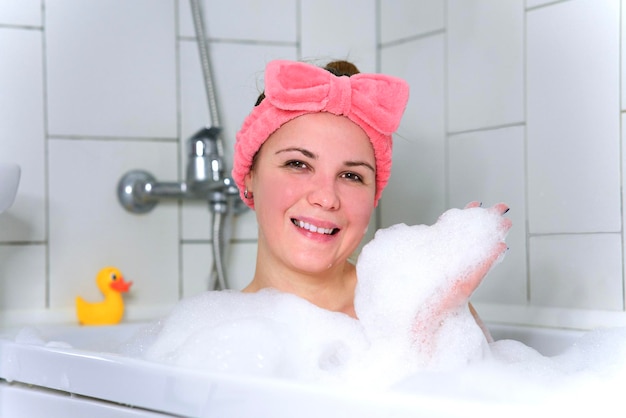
[{"x": 480, "y": 323}]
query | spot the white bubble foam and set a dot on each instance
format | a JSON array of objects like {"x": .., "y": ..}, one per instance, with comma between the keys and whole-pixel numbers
[
  {"x": 267, "y": 333},
  {"x": 403, "y": 275}
]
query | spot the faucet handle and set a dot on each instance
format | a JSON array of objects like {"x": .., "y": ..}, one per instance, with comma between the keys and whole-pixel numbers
[
  {"x": 205, "y": 166},
  {"x": 204, "y": 142}
]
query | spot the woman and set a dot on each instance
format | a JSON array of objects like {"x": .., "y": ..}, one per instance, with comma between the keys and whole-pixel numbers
[{"x": 312, "y": 159}]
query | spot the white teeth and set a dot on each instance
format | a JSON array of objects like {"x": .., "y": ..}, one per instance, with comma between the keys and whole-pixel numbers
[{"x": 313, "y": 228}]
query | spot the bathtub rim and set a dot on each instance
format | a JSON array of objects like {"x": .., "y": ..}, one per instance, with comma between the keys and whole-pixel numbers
[
  {"x": 184, "y": 392},
  {"x": 173, "y": 390}
]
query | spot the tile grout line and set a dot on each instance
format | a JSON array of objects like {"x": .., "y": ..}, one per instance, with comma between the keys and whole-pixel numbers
[{"x": 46, "y": 135}]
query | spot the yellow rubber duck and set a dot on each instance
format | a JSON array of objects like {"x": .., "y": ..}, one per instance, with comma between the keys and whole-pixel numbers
[{"x": 110, "y": 311}]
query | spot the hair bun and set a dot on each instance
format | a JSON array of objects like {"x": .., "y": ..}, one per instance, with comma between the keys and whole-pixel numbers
[{"x": 341, "y": 68}]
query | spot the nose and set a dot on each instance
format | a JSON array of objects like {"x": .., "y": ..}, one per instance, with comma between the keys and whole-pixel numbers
[{"x": 323, "y": 193}]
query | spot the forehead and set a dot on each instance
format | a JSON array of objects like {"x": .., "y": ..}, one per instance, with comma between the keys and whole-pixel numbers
[{"x": 325, "y": 132}]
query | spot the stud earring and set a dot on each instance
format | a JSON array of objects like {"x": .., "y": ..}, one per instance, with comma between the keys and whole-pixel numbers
[{"x": 248, "y": 195}]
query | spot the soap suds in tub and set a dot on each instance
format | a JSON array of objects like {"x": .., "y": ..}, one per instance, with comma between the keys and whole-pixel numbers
[{"x": 404, "y": 274}]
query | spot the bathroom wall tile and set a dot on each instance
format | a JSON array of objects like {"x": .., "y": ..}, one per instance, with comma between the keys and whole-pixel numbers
[
  {"x": 415, "y": 193},
  {"x": 623, "y": 131},
  {"x": 111, "y": 68},
  {"x": 185, "y": 19},
  {"x": 198, "y": 261},
  {"x": 20, "y": 12},
  {"x": 22, "y": 132},
  {"x": 347, "y": 32},
  {"x": 402, "y": 19},
  {"x": 488, "y": 166},
  {"x": 537, "y": 3},
  {"x": 623, "y": 55},
  {"x": 485, "y": 63},
  {"x": 249, "y": 20},
  {"x": 89, "y": 229},
  {"x": 242, "y": 264},
  {"x": 22, "y": 277},
  {"x": 573, "y": 123},
  {"x": 577, "y": 271},
  {"x": 237, "y": 88}
]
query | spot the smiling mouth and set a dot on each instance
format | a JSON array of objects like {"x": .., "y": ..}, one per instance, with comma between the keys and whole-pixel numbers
[{"x": 315, "y": 229}]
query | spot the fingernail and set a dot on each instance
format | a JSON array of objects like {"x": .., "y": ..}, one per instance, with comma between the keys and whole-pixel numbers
[{"x": 507, "y": 209}]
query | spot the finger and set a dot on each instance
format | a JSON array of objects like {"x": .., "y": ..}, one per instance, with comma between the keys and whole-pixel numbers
[{"x": 501, "y": 208}]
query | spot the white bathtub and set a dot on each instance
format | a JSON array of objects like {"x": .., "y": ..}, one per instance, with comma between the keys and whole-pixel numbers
[{"x": 54, "y": 380}]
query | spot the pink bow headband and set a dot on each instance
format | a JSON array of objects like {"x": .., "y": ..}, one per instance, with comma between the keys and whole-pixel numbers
[{"x": 375, "y": 102}]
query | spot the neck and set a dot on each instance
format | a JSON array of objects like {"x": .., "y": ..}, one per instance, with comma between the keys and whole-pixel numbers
[{"x": 332, "y": 290}]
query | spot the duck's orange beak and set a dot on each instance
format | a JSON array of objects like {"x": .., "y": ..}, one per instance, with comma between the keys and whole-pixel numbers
[{"x": 120, "y": 285}]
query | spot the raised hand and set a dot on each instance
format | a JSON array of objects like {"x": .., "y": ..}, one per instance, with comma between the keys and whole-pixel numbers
[
  {"x": 414, "y": 282},
  {"x": 453, "y": 297}
]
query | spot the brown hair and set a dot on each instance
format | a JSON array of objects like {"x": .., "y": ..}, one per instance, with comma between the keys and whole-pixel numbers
[{"x": 338, "y": 68}]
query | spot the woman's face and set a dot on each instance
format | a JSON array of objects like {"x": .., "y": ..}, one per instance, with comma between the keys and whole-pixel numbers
[{"x": 314, "y": 183}]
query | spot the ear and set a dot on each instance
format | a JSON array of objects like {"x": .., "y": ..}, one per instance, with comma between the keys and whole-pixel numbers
[{"x": 248, "y": 181}]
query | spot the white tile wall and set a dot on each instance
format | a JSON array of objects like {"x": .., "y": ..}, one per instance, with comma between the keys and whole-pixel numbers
[
  {"x": 22, "y": 131},
  {"x": 401, "y": 19},
  {"x": 245, "y": 20},
  {"x": 538, "y": 3},
  {"x": 514, "y": 101},
  {"x": 485, "y": 51},
  {"x": 339, "y": 30},
  {"x": 20, "y": 12},
  {"x": 623, "y": 159},
  {"x": 573, "y": 117},
  {"x": 623, "y": 57},
  {"x": 418, "y": 172},
  {"x": 111, "y": 68},
  {"x": 23, "y": 277},
  {"x": 577, "y": 271}
]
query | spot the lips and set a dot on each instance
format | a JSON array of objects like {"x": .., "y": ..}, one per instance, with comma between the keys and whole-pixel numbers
[{"x": 313, "y": 228}]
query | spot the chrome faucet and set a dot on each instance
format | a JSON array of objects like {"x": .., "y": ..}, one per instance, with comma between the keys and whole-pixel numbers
[
  {"x": 205, "y": 163},
  {"x": 139, "y": 191}
]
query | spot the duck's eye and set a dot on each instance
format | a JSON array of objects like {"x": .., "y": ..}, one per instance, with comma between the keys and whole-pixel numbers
[{"x": 114, "y": 277}]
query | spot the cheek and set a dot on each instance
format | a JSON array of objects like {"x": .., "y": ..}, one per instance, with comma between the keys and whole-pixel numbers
[
  {"x": 361, "y": 207},
  {"x": 272, "y": 198},
  {"x": 365, "y": 216}
]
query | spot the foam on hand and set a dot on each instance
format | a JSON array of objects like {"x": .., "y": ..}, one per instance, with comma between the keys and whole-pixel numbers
[{"x": 415, "y": 283}]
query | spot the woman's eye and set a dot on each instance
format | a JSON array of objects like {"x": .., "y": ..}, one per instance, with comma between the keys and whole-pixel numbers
[
  {"x": 296, "y": 164},
  {"x": 353, "y": 177}
]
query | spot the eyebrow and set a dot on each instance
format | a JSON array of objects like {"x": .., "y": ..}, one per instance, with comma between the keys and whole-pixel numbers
[
  {"x": 312, "y": 155},
  {"x": 306, "y": 152},
  {"x": 360, "y": 164}
]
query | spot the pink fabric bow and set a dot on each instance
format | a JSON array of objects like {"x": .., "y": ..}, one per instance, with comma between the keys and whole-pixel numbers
[
  {"x": 375, "y": 99},
  {"x": 375, "y": 102}
]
